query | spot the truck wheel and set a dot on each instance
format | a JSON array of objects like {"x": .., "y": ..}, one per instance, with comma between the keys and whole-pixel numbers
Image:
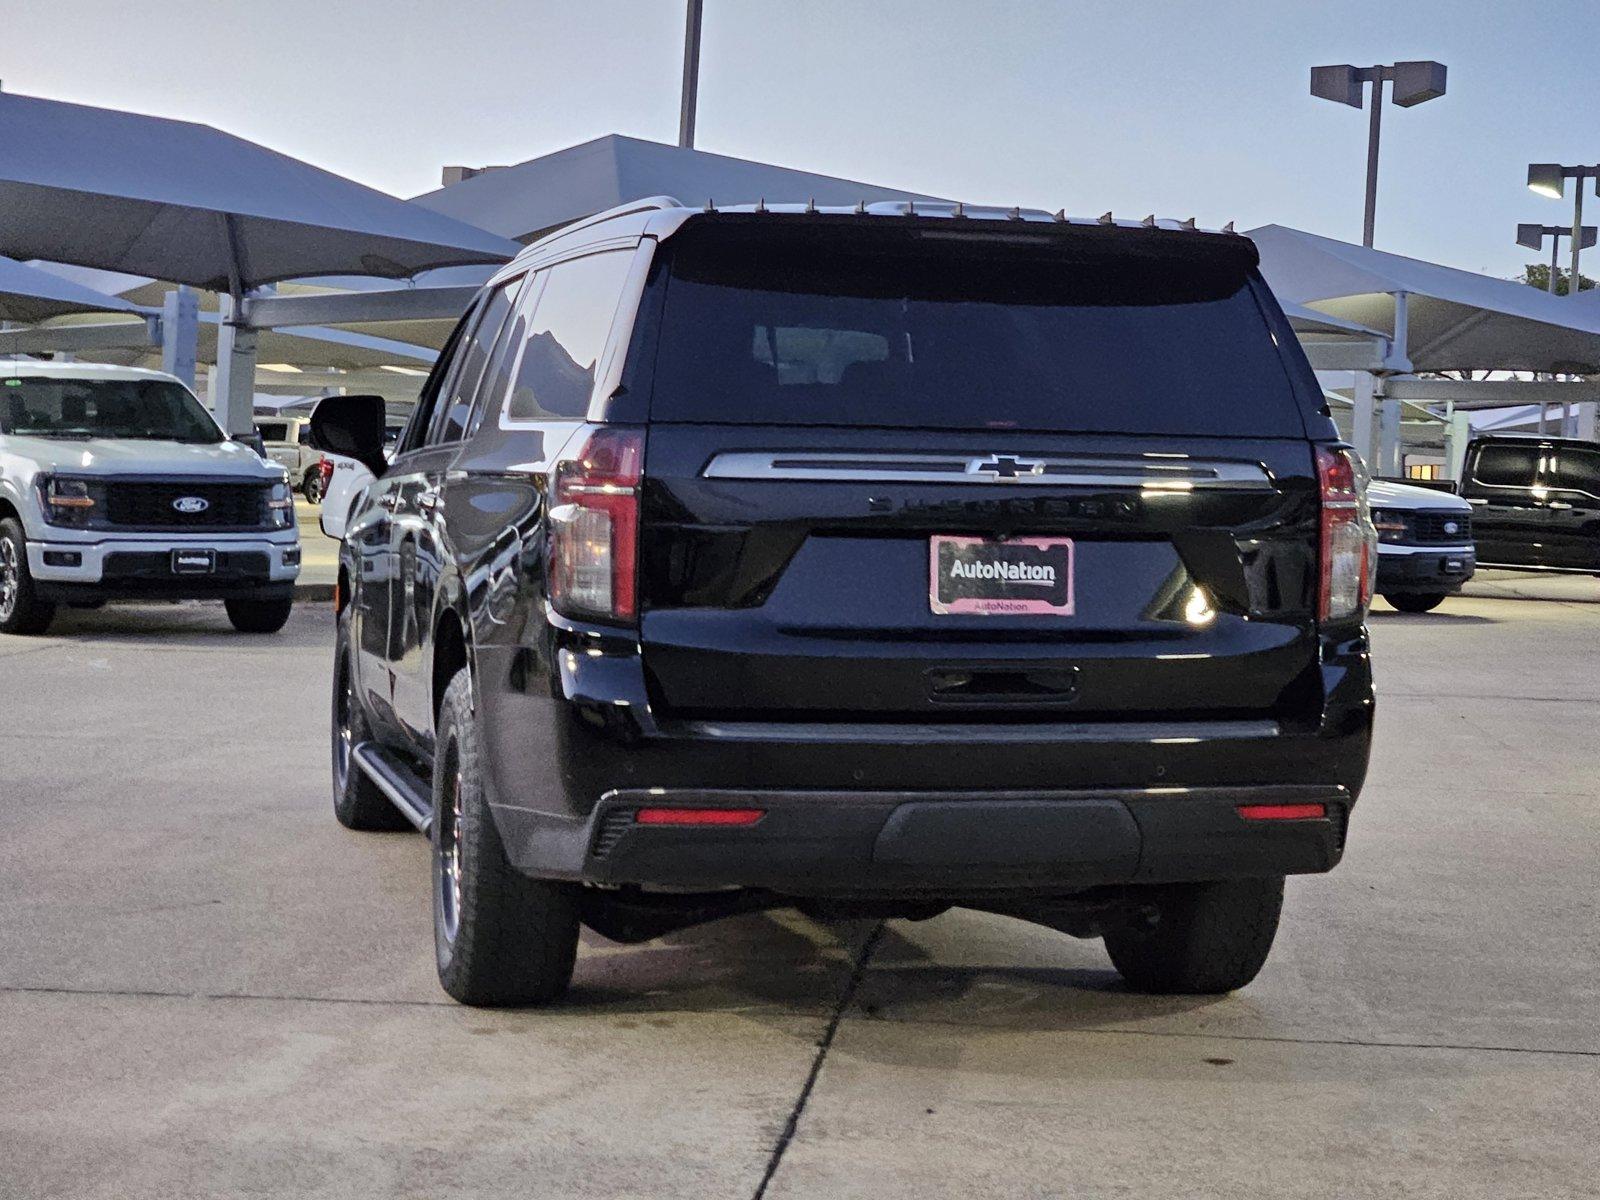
[
  {"x": 1415, "y": 602},
  {"x": 500, "y": 937},
  {"x": 1204, "y": 938},
  {"x": 258, "y": 616},
  {"x": 357, "y": 801},
  {"x": 312, "y": 487},
  {"x": 21, "y": 610}
]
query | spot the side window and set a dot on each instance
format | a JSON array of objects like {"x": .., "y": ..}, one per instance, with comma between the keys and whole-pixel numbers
[
  {"x": 497, "y": 375},
  {"x": 450, "y": 425},
  {"x": 416, "y": 427},
  {"x": 305, "y": 435},
  {"x": 1507, "y": 466},
  {"x": 565, "y": 336},
  {"x": 1577, "y": 471}
]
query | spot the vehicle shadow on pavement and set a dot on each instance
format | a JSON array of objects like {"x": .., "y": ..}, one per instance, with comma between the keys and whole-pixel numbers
[
  {"x": 781, "y": 959},
  {"x": 184, "y": 623},
  {"x": 906, "y": 981},
  {"x": 1390, "y": 617},
  {"x": 769, "y": 959}
]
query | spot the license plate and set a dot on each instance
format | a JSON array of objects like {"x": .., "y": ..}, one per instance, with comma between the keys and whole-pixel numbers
[
  {"x": 194, "y": 562},
  {"x": 1022, "y": 576}
]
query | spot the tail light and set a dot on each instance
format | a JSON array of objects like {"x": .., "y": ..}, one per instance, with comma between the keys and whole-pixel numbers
[
  {"x": 594, "y": 528},
  {"x": 1349, "y": 544}
]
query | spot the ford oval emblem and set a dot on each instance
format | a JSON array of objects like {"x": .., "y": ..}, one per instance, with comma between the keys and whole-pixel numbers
[
  {"x": 191, "y": 504},
  {"x": 1451, "y": 527}
]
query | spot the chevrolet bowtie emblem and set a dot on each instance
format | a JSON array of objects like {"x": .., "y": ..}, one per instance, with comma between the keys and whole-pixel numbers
[{"x": 1004, "y": 466}]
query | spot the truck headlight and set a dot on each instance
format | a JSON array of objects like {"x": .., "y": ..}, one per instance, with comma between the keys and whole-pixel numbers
[
  {"x": 67, "y": 501},
  {"x": 280, "y": 506},
  {"x": 1390, "y": 524}
]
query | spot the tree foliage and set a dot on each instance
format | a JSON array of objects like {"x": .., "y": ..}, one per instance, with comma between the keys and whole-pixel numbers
[{"x": 1538, "y": 275}]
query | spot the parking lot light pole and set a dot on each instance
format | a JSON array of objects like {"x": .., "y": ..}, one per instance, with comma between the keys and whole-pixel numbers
[
  {"x": 1532, "y": 236},
  {"x": 1412, "y": 83},
  {"x": 691, "y": 76},
  {"x": 1550, "y": 179}
]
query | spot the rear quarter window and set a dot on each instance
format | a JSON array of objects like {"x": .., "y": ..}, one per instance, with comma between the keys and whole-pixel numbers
[{"x": 965, "y": 335}]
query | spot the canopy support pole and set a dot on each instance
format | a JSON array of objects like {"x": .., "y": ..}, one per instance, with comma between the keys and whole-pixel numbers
[
  {"x": 236, "y": 371},
  {"x": 1362, "y": 410},
  {"x": 180, "y": 334},
  {"x": 1389, "y": 438},
  {"x": 236, "y": 347}
]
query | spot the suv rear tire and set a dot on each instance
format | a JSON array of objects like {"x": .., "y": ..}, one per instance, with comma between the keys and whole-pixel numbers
[
  {"x": 1206, "y": 938},
  {"x": 259, "y": 616},
  {"x": 1415, "y": 602},
  {"x": 500, "y": 937},
  {"x": 21, "y": 610},
  {"x": 358, "y": 803}
]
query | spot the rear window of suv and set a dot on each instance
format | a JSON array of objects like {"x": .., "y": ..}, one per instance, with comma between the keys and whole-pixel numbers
[{"x": 966, "y": 332}]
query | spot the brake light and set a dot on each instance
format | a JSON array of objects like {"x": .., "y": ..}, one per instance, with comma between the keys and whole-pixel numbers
[
  {"x": 594, "y": 527},
  {"x": 1348, "y": 544},
  {"x": 698, "y": 816}
]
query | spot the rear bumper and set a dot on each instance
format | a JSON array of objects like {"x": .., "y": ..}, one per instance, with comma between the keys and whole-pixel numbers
[
  {"x": 1425, "y": 569},
  {"x": 1084, "y": 803},
  {"x": 819, "y": 843}
]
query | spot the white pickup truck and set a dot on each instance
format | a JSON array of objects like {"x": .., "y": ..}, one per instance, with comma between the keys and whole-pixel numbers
[
  {"x": 1425, "y": 547},
  {"x": 117, "y": 484}
]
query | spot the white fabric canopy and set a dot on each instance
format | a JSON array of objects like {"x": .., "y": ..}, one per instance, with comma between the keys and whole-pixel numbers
[
  {"x": 1458, "y": 320},
  {"x": 28, "y": 294},
  {"x": 531, "y": 198}
]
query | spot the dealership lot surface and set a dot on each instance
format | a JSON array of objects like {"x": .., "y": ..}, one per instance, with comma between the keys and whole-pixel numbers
[{"x": 208, "y": 988}]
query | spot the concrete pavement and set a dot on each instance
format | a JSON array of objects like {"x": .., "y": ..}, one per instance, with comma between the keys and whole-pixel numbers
[{"x": 208, "y": 988}]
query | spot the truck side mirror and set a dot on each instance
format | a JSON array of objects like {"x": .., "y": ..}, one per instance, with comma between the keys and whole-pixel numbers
[{"x": 351, "y": 427}]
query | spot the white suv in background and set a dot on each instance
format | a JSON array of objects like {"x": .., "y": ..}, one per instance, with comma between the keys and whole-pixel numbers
[{"x": 116, "y": 484}]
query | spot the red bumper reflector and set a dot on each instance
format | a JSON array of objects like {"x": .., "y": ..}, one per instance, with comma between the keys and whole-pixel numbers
[
  {"x": 1283, "y": 812},
  {"x": 698, "y": 816}
]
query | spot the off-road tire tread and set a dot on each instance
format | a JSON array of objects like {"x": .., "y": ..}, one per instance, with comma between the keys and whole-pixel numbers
[
  {"x": 31, "y": 616},
  {"x": 1211, "y": 938},
  {"x": 517, "y": 939}
]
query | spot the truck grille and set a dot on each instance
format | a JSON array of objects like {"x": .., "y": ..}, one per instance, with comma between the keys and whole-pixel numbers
[
  {"x": 150, "y": 505},
  {"x": 1429, "y": 528}
]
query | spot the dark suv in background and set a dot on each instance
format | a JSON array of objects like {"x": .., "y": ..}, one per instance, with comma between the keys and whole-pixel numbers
[
  {"x": 1536, "y": 502},
  {"x": 872, "y": 561}
]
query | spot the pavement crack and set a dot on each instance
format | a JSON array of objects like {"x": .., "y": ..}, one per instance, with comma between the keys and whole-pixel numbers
[{"x": 846, "y": 998}]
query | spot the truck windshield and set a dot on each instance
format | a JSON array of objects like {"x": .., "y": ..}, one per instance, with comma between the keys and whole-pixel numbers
[
  {"x": 966, "y": 335},
  {"x": 56, "y": 407}
]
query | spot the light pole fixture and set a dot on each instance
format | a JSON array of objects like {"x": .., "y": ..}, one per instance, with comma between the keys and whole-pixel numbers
[
  {"x": 1532, "y": 236},
  {"x": 1550, "y": 179},
  {"x": 1412, "y": 83}
]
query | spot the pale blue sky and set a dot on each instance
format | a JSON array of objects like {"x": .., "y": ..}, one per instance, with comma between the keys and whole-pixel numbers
[{"x": 1181, "y": 108}]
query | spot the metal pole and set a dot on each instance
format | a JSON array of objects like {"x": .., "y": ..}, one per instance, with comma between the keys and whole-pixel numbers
[
  {"x": 1577, "y": 233},
  {"x": 1555, "y": 249},
  {"x": 1372, "y": 156},
  {"x": 691, "y": 76}
]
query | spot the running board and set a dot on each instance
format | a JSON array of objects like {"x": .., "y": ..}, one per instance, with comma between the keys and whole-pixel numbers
[{"x": 407, "y": 790}]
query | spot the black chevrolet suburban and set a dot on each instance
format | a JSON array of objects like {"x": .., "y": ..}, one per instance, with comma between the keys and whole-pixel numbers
[{"x": 872, "y": 561}]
